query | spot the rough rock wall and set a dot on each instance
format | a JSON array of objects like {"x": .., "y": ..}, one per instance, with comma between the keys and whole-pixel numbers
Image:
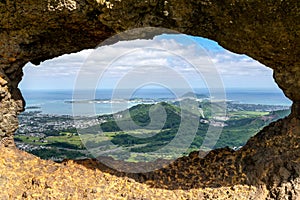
[{"x": 268, "y": 31}]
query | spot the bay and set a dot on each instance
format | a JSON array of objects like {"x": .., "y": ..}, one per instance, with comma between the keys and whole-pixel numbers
[{"x": 56, "y": 101}]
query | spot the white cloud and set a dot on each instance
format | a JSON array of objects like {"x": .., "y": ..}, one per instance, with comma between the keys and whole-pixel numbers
[
  {"x": 230, "y": 64},
  {"x": 161, "y": 53}
]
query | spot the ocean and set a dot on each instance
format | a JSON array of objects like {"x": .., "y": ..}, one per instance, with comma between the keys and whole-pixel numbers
[{"x": 58, "y": 101}]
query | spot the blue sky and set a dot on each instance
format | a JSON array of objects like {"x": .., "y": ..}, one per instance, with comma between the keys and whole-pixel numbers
[{"x": 194, "y": 60}]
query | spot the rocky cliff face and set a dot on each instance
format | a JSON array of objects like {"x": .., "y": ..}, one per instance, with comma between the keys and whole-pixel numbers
[{"x": 267, "y": 31}]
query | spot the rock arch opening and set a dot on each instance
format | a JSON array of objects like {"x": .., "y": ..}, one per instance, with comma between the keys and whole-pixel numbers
[
  {"x": 47, "y": 128},
  {"x": 266, "y": 31}
]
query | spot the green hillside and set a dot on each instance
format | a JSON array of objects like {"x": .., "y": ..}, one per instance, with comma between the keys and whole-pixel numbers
[
  {"x": 139, "y": 114},
  {"x": 142, "y": 131}
]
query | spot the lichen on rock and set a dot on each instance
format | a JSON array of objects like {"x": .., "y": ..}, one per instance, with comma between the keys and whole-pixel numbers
[{"x": 59, "y": 5}]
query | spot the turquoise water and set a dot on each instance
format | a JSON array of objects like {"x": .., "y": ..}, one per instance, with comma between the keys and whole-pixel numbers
[{"x": 54, "y": 102}]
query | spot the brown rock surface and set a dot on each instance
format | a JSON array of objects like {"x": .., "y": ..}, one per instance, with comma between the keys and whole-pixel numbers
[
  {"x": 23, "y": 176},
  {"x": 267, "y": 31}
]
